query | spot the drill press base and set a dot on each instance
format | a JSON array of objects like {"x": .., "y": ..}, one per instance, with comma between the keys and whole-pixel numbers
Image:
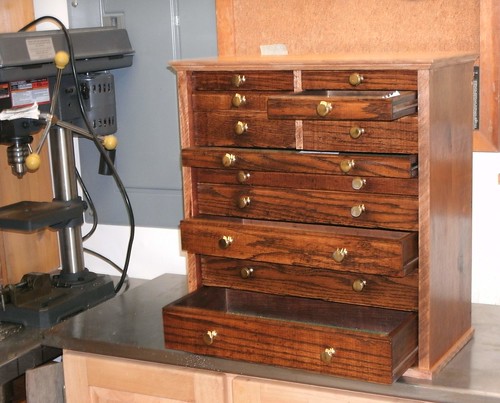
[{"x": 59, "y": 303}]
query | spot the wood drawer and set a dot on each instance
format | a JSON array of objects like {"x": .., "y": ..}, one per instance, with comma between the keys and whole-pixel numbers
[
  {"x": 399, "y": 136},
  {"x": 238, "y": 129},
  {"x": 341, "y": 183},
  {"x": 248, "y": 80},
  {"x": 371, "y": 79},
  {"x": 236, "y": 101},
  {"x": 358, "y": 342},
  {"x": 359, "y": 289},
  {"x": 343, "y": 105},
  {"x": 392, "y": 253},
  {"x": 391, "y": 166},
  {"x": 309, "y": 206}
]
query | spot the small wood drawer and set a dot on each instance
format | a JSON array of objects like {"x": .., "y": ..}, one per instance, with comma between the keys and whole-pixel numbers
[
  {"x": 341, "y": 183},
  {"x": 224, "y": 101},
  {"x": 248, "y": 80},
  {"x": 343, "y": 105},
  {"x": 391, "y": 253},
  {"x": 309, "y": 206},
  {"x": 366, "y": 343},
  {"x": 359, "y": 289},
  {"x": 237, "y": 129},
  {"x": 361, "y": 79},
  {"x": 399, "y": 136},
  {"x": 390, "y": 166}
]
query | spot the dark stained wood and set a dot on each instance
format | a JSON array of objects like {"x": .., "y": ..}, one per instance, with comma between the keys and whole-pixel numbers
[
  {"x": 390, "y": 253},
  {"x": 309, "y": 206},
  {"x": 382, "y": 291},
  {"x": 394, "y": 166},
  {"x": 293, "y": 332},
  {"x": 249, "y": 80}
]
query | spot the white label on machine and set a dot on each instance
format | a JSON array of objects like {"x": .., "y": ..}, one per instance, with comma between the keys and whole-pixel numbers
[
  {"x": 40, "y": 48},
  {"x": 24, "y": 93}
]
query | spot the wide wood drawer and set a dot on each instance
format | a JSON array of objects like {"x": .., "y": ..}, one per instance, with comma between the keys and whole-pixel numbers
[
  {"x": 234, "y": 100},
  {"x": 359, "y": 79},
  {"x": 309, "y": 206},
  {"x": 392, "y": 253},
  {"x": 248, "y": 80},
  {"x": 341, "y": 183},
  {"x": 371, "y": 344},
  {"x": 239, "y": 129},
  {"x": 399, "y": 136},
  {"x": 352, "y": 288},
  {"x": 343, "y": 105},
  {"x": 391, "y": 166}
]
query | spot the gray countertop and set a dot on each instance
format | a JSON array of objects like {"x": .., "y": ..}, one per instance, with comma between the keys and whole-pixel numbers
[{"x": 131, "y": 326}]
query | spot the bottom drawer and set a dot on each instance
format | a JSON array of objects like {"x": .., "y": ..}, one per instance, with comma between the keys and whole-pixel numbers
[{"x": 366, "y": 343}]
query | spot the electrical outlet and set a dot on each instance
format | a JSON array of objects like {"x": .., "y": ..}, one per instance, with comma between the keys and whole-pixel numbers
[{"x": 114, "y": 20}]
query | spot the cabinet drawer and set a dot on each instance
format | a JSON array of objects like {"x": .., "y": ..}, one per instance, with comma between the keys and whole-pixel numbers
[
  {"x": 248, "y": 80},
  {"x": 360, "y": 79},
  {"x": 358, "y": 289},
  {"x": 237, "y": 129},
  {"x": 366, "y": 343},
  {"x": 398, "y": 136},
  {"x": 236, "y": 101},
  {"x": 391, "y": 166},
  {"x": 343, "y": 105},
  {"x": 342, "y": 183},
  {"x": 393, "y": 253},
  {"x": 309, "y": 206}
]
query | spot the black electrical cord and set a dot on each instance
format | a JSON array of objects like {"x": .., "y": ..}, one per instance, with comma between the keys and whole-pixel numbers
[
  {"x": 91, "y": 206},
  {"x": 96, "y": 141}
]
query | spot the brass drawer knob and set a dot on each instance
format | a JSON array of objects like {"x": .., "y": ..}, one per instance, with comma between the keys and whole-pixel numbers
[
  {"x": 209, "y": 337},
  {"x": 243, "y": 176},
  {"x": 355, "y": 79},
  {"x": 355, "y": 132},
  {"x": 358, "y": 285},
  {"x": 358, "y": 183},
  {"x": 327, "y": 355},
  {"x": 228, "y": 160},
  {"x": 243, "y": 202},
  {"x": 246, "y": 272},
  {"x": 225, "y": 242},
  {"x": 339, "y": 255},
  {"x": 357, "y": 210},
  {"x": 240, "y": 127},
  {"x": 346, "y": 165},
  {"x": 238, "y": 80},
  {"x": 324, "y": 108},
  {"x": 238, "y": 100}
]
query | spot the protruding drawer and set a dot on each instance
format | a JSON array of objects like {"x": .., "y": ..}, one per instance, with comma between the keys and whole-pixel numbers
[
  {"x": 343, "y": 105},
  {"x": 247, "y": 80},
  {"x": 238, "y": 129},
  {"x": 359, "y": 79},
  {"x": 392, "y": 253},
  {"x": 352, "y": 288},
  {"x": 309, "y": 206},
  {"x": 366, "y": 343},
  {"x": 390, "y": 166},
  {"x": 399, "y": 136}
]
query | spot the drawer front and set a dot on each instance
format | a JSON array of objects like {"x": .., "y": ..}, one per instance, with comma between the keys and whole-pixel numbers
[
  {"x": 236, "y": 101},
  {"x": 324, "y": 337},
  {"x": 343, "y": 105},
  {"x": 399, "y": 136},
  {"x": 341, "y": 183},
  {"x": 360, "y": 79},
  {"x": 391, "y": 166},
  {"x": 392, "y": 253},
  {"x": 246, "y": 80},
  {"x": 359, "y": 289},
  {"x": 237, "y": 129},
  {"x": 309, "y": 206}
]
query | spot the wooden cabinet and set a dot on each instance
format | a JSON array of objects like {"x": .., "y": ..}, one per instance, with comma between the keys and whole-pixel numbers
[{"x": 327, "y": 212}]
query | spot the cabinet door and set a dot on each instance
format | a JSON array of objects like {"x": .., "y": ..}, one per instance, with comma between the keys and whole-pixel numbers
[
  {"x": 101, "y": 379},
  {"x": 254, "y": 390}
]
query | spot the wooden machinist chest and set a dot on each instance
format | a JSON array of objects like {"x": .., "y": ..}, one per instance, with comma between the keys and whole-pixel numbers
[{"x": 327, "y": 212}]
